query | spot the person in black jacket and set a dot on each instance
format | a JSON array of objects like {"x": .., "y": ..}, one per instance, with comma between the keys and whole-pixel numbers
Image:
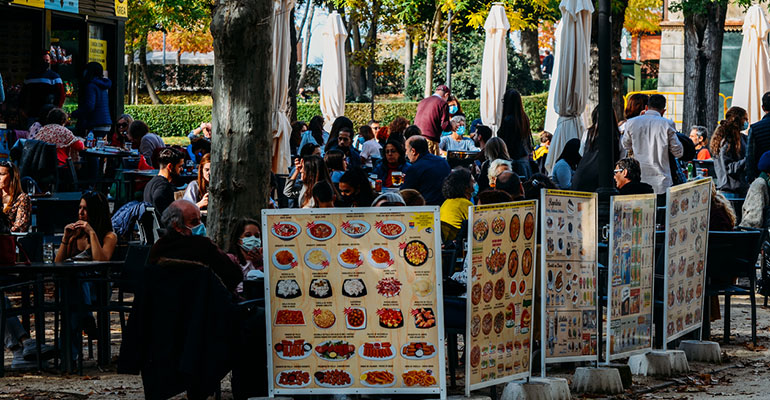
[
  {"x": 628, "y": 178},
  {"x": 759, "y": 141},
  {"x": 728, "y": 149}
]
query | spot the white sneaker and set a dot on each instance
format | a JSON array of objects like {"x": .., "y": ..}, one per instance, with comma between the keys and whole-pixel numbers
[{"x": 29, "y": 352}]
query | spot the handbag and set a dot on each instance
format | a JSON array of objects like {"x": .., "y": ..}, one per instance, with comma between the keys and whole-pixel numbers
[{"x": 8, "y": 247}]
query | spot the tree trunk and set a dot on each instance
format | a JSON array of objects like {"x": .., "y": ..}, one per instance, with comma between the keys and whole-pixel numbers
[
  {"x": 308, "y": 5},
  {"x": 145, "y": 73},
  {"x": 531, "y": 50},
  {"x": 432, "y": 37},
  {"x": 306, "y": 48},
  {"x": 292, "y": 100},
  {"x": 357, "y": 77},
  {"x": 408, "y": 61},
  {"x": 703, "y": 35},
  {"x": 130, "y": 69},
  {"x": 371, "y": 43},
  {"x": 241, "y": 153},
  {"x": 639, "y": 47}
]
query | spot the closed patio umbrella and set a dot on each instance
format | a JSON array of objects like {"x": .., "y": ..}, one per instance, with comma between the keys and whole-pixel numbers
[
  {"x": 494, "y": 70},
  {"x": 333, "y": 73},
  {"x": 753, "y": 70},
  {"x": 571, "y": 92},
  {"x": 281, "y": 53},
  {"x": 550, "y": 115}
]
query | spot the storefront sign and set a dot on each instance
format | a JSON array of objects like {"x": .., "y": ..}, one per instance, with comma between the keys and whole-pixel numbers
[
  {"x": 30, "y": 3},
  {"x": 354, "y": 301},
  {"x": 502, "y": 249},
  {"x": 631, "y": 266},
  {"x": 568, "y": 281},
  {"x": 121, "y": 8},
  {"x": 97, "y": 51},
  {"x": 70, "y": 6},
  {"x": 687, "y": 227}
]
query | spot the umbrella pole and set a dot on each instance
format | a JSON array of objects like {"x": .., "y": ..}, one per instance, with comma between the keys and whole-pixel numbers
[{"x": 606, "y": 139}]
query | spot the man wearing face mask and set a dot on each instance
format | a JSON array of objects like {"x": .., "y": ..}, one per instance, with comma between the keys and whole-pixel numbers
[
  {"x": 160, "y": 189},
  {"x": 40, "y": 88},
  {"x": 185, "y": 239},
  {"x": 457, "y": 140}
]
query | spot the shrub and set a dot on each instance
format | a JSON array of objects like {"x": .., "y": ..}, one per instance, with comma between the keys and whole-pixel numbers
[{"x": 178, "y": 120}]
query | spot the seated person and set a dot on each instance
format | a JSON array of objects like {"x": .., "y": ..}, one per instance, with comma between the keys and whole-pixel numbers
[
  {"x": 427, "y": 172},
  {"x": 198, "y": 190},
  {"x": 496, "y": 167},
  {"x": 90, "y": 238},
  {"x": 345, "y": 144},
  {"x": 140, "y": 136},
  {"x": 457, "y": 140},
  {"x": 335, "y": 162},
  {"x": 628, "y": 177},
  {"x": 758, "y": 197},
  {"x": 16, "y": 204},
  {"x": 355, "y": 189},
  {"x": 412, "y": 198},
  {"x": 41, "y": 118},
  {"x": 324, "y": 195},
  {"x": 159, "y": 191},
  {"x": 536, "y": 183},
  {"x": 246, "y": 248},
  {"x": 197, "y": 149},
  {"x": 119, "y": 137},
  {"x": 185, "y": 239},
  {"x": 457, "y": 190},
  {"x": 509, "y": 182},
  {"x": 565, "y": 166},
  {"x": 541, "y": 152},
  {"x": 67, "y": 144},
  {"x": 370, "y": 149},
  {"x": 389, "y": 199},
  {"x": 394, "y": 161},
  {"x": 201, "y": 132}
]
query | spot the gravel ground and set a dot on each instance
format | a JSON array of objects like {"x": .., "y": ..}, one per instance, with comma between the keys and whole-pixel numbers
[{"x": 744, "y": 374}]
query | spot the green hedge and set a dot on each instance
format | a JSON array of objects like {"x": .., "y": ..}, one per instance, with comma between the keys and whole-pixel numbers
[{"x": 178, "y": 120}]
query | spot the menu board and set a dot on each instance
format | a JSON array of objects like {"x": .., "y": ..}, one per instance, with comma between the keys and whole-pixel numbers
[
  {"x": 687, "y": 231},
  {"x": 568, "y": 281},
  {"x": 354, "y": 299},
  {"x": 502, "y": 245},
  {"x": 631, "y": 266}
]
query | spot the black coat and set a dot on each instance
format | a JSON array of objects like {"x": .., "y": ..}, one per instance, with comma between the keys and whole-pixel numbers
[{"x": 180, "y": 332}]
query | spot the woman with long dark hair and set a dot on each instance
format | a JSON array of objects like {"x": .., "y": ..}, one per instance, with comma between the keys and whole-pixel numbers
[
  {"x": 394, "y": 161},
  {"x": 91, "y": 237},
  {"x": 515, "y": 132},
  {"x": 315, "y": 133},
  {"x": 586, "y": 176},
  {"x": 297, "y": 129},
  {"x": 16, "y": 204},
  {"x": 728, "y": 149},
  {"x": 310, "y": 170},
  {"x": 355, "y": 189},
  {"x": 565, "y": 166},
  {"x": 93, "y": 111}
]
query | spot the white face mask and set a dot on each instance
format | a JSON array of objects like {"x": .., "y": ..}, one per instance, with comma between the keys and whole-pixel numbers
[{"x": 250, "y": 243}]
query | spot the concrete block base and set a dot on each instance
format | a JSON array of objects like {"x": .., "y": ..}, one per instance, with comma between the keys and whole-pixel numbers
[
  {"x": 559, "y": 387},
  {"x": 527, "y": 391},
  {"x": 705, "y": 351},
  {"x": 625, "y": 374},
  {"x": 472, "y": 397},
  {"x": 659, "y": 363},
  {"x": 597, "y": 380}
]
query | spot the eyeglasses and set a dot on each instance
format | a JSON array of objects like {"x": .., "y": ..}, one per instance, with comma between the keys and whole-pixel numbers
[
  {"x": 619, "y": 170},
  {"x": 123, "y": 125}
]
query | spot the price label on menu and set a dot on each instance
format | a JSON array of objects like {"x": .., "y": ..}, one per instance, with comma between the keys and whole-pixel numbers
[
  {"x": 500, "y": 288},
  {"x": 630, "y": 277},
  {"x": 354, "y": 300},
  {"x": 568, "y": 281},
  {"x": 687, "y": 227}
]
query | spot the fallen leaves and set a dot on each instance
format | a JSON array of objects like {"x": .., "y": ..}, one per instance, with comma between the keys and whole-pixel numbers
[{"x": 750, "y": 346}]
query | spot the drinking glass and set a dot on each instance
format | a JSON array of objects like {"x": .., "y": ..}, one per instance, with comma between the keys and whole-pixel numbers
[{"x": 48, "y": 253}]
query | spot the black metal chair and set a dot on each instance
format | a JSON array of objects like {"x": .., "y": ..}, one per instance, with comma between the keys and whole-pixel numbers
[{"x": 732, "y": 254}]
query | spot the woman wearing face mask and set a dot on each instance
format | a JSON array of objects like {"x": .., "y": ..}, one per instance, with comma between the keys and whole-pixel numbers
[
  {"x": 198, "y": 190},
  {"x": 728, "y": 149},
  {"x": 457, "y": 141},
  {"x": 246, "y": 247},
  {"x": 355, "y": 189},
  {"x": 91, "y": 237},
  {"x": 454, "y": 107},
  {"x": 394, "y": 161}
]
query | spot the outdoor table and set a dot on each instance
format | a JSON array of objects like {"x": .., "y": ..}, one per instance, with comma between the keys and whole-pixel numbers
[
  {"x": 55, "y": 210},
  {"x": 66, "y": 277}
]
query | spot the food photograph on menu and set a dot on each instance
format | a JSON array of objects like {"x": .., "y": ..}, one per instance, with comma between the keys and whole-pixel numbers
[
  {"x": 631, "y": 266},
  {"x": 353, "y": 299},
  {"x": 687, "y": 225},
  {"x": 499, "y": 335},
  {"x": 569, "y": 279}
]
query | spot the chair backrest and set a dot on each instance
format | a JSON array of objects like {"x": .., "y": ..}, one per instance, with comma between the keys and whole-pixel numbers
[
  {"x": 149, "y": 226},
  {"x": 733, "y": 253},
  {"x": 133, "y": 269},
  {"x": 28, "y": 182}
]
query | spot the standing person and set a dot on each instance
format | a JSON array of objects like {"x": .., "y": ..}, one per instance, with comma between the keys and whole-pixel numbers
[
  {"x": 427, "y": 172},
  {"x": 565, "y": 166},
  {"x": 93, "y": 113},
  {"x": 457, "y": 140},
  {"x": 515, "y": 132},
  {"x": 586, "y": 178},
  {"x": 394, "y": 161},
  {"x": 16, "y": 204},
  {"x": 728, "y": 146},
  {"x": 370, "y": 150},
  {"x": 759, "y": 140},
  {"x": 160, "y": 189},
  {"x": 120, "y": 135},
  {"x": 700, "y": 139},
  {"x": 547, "y": 63},
  {"x": 40, "y": 88},
  {"x": 651, "y": 138},
  {"x": 197, "y": 191},
  {"x": 146, "y": 141},
  {"x": 315, "y": 133},
  {"x": 433, "y": 117},
  {"x": 67, "y": 144}
]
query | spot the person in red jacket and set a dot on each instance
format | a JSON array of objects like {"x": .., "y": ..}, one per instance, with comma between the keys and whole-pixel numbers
[
  {"x": 433, "y": 117},
  {"x": 41, "y": 88}
]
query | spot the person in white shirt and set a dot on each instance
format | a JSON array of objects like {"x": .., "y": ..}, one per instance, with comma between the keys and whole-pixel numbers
[
  {"x": 651, "y": 138},
  {"x": 370, "y": 150}
]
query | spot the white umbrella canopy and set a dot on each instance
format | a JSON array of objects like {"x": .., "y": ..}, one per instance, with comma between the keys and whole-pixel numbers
[
  {"x": 753, "y": 67},
  {"x": 494, "y": 70},
  {"x": 550, "y": 114},
  {"x": 333, "y": 73},
  {"x": 571, "y": 93},
  {"x": 281, "y": 53}
]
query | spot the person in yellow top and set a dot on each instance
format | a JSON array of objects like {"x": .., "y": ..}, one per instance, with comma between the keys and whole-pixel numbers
[
  {"x": 457, "y": 190},
  {"x": 540, "y": 153}
]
